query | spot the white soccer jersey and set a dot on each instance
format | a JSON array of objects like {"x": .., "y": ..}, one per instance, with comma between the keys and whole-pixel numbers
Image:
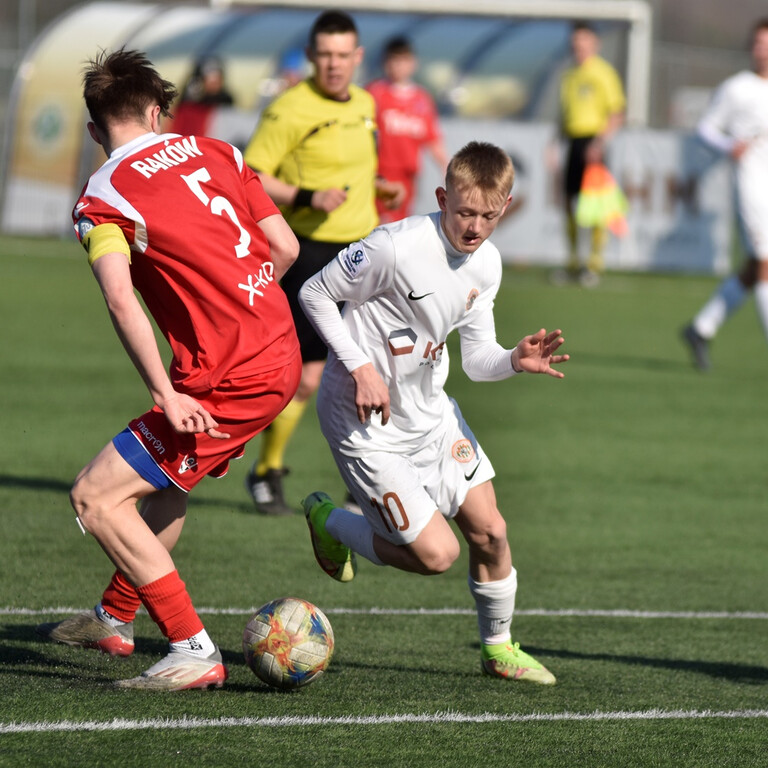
[
  {"x": 739, "y": 112},
  {"x": 405, "y": 289}
]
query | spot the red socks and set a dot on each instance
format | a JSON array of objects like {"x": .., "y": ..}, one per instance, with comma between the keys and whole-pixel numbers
[
  {"x": 120, "y": 599},
  {"x": 166, "y": 600},
  {"x": 170, "y": 607}
]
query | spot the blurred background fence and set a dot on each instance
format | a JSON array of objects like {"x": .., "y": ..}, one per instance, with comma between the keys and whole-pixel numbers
[{"x": 491, "y": 79}]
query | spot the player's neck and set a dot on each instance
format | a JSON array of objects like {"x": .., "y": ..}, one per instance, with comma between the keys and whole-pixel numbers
[{"x": 121, "y": 134}]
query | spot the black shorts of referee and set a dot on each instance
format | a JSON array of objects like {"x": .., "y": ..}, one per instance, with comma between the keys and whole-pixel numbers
[
  {"x": 313, "y": 256},
  {"x": 575, "y": 165}
]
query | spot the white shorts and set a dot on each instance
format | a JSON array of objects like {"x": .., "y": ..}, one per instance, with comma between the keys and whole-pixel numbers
[
  {"x": 753, "y": 202},
  {"x": 399, "y": 493}
]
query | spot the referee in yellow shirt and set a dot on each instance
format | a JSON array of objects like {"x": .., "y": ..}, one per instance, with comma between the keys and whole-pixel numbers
[
  {"x": 592, "y": 103},
  {"x": 315, "y": 152}
]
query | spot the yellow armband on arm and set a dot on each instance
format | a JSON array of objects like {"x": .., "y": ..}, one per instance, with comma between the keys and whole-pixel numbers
[{"x": 105, "y": 238}]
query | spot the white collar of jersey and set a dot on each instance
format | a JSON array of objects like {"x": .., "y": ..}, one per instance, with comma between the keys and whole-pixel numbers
[
  {"x": 453, "y": 253},
  {"x": 134, "y": 145}
]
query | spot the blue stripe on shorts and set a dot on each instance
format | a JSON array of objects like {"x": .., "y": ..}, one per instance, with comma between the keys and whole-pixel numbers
[{"x": 131, "y": 449}]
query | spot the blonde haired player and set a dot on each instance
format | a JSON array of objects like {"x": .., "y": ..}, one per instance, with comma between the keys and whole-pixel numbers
[{"x": 401, "y": 444}]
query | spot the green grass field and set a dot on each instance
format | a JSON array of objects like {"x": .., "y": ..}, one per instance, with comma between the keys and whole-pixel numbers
[{"x": 634, "y": 491}]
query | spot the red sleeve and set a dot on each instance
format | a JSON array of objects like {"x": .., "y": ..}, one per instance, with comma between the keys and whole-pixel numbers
[{"x": 259, "y": 202}]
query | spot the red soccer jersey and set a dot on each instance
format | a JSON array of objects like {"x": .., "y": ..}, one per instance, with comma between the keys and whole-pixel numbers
[
  {"x": 189, "y": 209},
  {"x": 407, "y": 119}
]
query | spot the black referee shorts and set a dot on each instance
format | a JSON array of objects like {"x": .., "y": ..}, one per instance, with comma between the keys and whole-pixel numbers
[
  {"x": 313, "y": 256},
  {"x": 575, "y": 165}
]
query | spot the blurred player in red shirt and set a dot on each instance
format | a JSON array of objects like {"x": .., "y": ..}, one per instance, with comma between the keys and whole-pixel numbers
[
  {"x": 184, "y": 222},
  {"x": 407, "y": 121}
]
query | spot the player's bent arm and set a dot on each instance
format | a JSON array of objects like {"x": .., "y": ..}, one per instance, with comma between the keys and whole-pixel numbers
[
  {"x": 486, "y": 360},
  {"x": 131, "y": 323},
  {"x": 288, "y": 194},
  {"x": 320, "y": 307},
  {"x": 712, "y": 127},
  {"x": 283, "y": 245},
  {"x": 135, "y": 331},
  {"x": 713, "y": 137},
  {"x": 280, "y": 192},
  {"x": 482, "y": 357}
]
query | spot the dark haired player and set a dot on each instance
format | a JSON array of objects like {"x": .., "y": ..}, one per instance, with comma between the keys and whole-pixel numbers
[{"x": 183, "y": 221}]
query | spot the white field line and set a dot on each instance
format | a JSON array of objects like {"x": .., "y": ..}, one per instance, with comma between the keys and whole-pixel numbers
[
  {"x": 619, "y": 613},
  {"x": 192, "y": 723}
]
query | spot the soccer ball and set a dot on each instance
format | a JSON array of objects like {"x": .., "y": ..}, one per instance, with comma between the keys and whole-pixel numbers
[{"x": 288, "y": 643}]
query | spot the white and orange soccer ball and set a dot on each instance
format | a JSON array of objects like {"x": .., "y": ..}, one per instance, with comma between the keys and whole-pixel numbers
[{"x": 288, "y": 643}]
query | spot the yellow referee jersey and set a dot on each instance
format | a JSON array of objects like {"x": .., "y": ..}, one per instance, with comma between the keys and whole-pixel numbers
[
  {"x": 589, "y": 95},
  {"x": 308, "y": 140}
]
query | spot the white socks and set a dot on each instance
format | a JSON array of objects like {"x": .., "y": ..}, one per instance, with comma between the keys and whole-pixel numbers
[
  {"x": 495, "y": 601},
  {"x": 354, "y": 531},
  {"x": 197, "y": 645},
  {"x": 107, "y": 617},
  {"x": 761, "y": 302},
  {"x": 729, "y": 296}
]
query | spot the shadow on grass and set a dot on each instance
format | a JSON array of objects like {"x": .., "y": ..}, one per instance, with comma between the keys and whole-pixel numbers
[
  {"x": 49, "y": 662},
  {"x": 64, "y": 486},
  {"x": 736, "y": 673},
  {"x": 637, "y": 362},
  {"x": 42, "y": 658},
  {"x": 35, "y": 483}
]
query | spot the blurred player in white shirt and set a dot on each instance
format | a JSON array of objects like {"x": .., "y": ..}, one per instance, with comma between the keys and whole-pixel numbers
[
  {"x": 736, "y": 123},
  {"x": 401, "y": 444}
]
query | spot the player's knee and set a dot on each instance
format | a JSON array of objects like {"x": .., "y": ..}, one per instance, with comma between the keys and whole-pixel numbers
[
  {"x": 491, "y": 536},
  {"x": 85, "y": 506},
  {"x": 435, "y": 560}
]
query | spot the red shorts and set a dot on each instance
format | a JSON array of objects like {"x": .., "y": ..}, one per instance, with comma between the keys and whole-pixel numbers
[{"x": 243, "y": 408}]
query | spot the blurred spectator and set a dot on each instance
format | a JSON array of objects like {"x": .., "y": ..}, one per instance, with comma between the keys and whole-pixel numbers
[
  {"x": 204, "y": 92},
  {"x": 407, "y": 121},
  {"x": 291, "y": 69},
  {"x": 736, "y": 123},
  {"x": 592, "y": 110}
]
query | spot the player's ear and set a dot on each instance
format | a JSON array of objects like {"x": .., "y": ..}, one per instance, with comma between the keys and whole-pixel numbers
[
  {"x": 154, "y": 118},
  {"x": 506, "y": 204},
  {"x": 93, "y": 131},
  {"x": 359, "y": 53},
  {"x": 441, "y": 194}
]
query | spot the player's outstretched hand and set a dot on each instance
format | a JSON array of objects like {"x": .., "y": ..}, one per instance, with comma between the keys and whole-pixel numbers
[
  {"x": 371, "y": 393},
  {"x": 187, "y": 416},
  {"x": 535, "y": 353}
]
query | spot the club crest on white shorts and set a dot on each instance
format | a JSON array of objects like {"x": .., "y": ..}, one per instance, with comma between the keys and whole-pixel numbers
[{"x": 463, "y": 451}]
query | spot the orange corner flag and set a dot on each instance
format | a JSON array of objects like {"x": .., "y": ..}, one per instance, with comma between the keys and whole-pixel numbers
[{"x": 601, "y": 203}]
